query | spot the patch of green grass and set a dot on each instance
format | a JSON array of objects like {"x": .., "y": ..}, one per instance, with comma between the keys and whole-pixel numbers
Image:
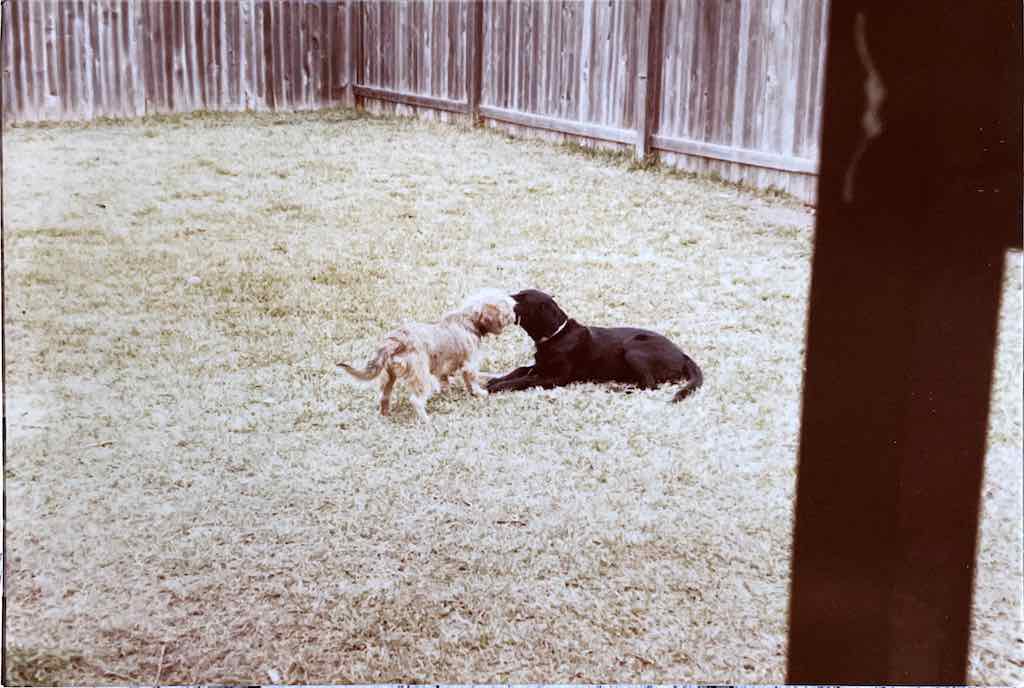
[
  {"x": 74, "y": 234},
  {"x": 188, "y": 195},
  {"x": 598, "y": 153},
  {"x": 145, "y": 212},
  {"x": 292, "y": 211},
  {"x": 217, "y": 168}
]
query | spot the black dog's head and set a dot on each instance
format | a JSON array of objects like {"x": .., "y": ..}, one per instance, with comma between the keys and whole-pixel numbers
[{"x": 538, "y": 314}]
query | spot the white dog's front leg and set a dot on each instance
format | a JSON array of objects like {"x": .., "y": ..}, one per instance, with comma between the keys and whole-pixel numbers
[
  {"x": 470, "y": 377},
  {"x": 420, "y": 404}
]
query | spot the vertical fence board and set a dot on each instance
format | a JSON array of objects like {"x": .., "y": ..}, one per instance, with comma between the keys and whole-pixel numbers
[
  {"x": 221, "y": 51},
  {"x": 183, "y": 88},
  {"x": 447, "y": 68},
  {"x": 354, "y": 52},
  {"x": 165, "y": 65},
  {"x": 121, "y": 59},
  {"x": 282, "y": 83},
  {"x": 230, "y": 51},
  {"x": 331, "y": 45},
  {"x": 49, "y": 45},
  {"x": 295, "y": 40},
  {"x": 84, "y": 32},
  {"x": 37, "y": 70},
  {"x": 17, "y": 64},
  {"x": 269, "y": 54},
  {"x": 144, "y": 41},
  {"x": 7, "y": 45},
  {"x": 262, "y": 56},
  {"x": 312, "y": 27},
  {"x": 246, "y": 60},
  {"x": 63, "y": 86}
]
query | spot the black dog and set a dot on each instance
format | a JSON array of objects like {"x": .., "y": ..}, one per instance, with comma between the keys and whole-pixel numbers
[{"x": 568, "y": 352}]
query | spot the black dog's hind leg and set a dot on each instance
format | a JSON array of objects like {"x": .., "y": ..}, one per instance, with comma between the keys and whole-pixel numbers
[{"x": 639, "y": 365}]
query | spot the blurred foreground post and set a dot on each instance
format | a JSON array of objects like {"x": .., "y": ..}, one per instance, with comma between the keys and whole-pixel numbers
[{"x": 919, "y": 199}]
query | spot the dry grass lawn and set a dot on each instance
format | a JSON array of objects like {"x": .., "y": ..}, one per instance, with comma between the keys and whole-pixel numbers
[{"x": 195, "y": 495}]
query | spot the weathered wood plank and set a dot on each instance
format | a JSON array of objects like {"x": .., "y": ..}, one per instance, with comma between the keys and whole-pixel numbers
[
  {"x": 291, "y": 44},
  {"x": 182, "y": 85},
  {"x": 219, "y": 54},
  {"x": 504, "y": 54},
  {"x": 199, "y": 23},
  {"x": 230, "y": 50},
  {"x": 189, "y": 77},
  {"x": 269, "y": 56},
  {"x": 432, "y": 35},
  {"x": 565, "y": 126},
  {"x": 739, "y": 109},
  {"x": 48, "y": 25},
  {"x": 14, "y": 34},
  {"x": 649, "y": 47},
  {"x": 99, "y": 59},
  {"x": 474, "y": 63},
  {"x": 413, "y": 99},
  {"x": 299, "y": 41},
  {"x": 167, "y": 27},
  {"x": 249, "y": 55},
  {"x": 358, "y": 47},
  {"x": 771, "y": 129},
  {"x": 451, "y": 55},
  {"x": 137, "y": 53},
  {"x": 37, "y": 72},
  {"x": 147, "y": 52},
  {"x": 304, "y": 55},
  {"x": 62, "y": 85},
  {"x": 773, "y": 161},
  {"x": 334, "y": 46},
  {"x": 418, "y": 44},
  {"x": 818, "y": 80},
  {"x": 7, "y": 94}
]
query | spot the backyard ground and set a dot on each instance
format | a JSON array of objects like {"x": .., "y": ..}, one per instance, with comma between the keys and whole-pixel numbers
[{"x": 195, "y": 495}]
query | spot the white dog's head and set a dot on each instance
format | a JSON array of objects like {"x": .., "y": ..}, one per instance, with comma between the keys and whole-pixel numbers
[{"x": 490, "y": 310}]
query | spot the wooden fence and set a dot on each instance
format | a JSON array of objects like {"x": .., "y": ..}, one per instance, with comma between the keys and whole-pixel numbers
[
  {"x": 125, "y": 58},
  {"x": 727, "y": 87}
]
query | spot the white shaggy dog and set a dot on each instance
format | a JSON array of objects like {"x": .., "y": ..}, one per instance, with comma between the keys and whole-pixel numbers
[{"x": 425, "y": 355}]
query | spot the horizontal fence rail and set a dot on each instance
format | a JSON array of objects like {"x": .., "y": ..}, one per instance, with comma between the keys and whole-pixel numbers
[{"x": 731, "y": 88}]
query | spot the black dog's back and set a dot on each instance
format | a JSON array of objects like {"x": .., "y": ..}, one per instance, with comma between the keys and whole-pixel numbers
[{"x": 648, "y": 359}]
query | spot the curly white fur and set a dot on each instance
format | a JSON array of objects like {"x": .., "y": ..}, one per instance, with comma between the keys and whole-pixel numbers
[{"x": 426, "y": 355}]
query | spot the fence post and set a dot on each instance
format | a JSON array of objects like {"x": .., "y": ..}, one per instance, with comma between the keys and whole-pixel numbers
[
  {"x": 354, "y": 44},
  {"x": 648, "y": 91},
  {"x": 474, "y": 58}
]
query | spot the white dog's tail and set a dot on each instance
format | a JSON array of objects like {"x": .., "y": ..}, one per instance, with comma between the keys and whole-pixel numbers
[{"x": 378, "y": 363}]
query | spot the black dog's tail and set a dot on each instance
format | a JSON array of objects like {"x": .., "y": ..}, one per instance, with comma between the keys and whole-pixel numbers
[{"x": 694, "y": 379}]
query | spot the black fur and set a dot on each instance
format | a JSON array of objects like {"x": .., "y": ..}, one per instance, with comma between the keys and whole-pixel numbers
[{"x": 593, "y": 354}]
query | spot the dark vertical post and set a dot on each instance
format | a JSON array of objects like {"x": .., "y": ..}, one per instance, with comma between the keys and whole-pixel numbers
[
  {"x": 920, "y": 181},
  {"x": 648, "y": 92},
  {"x": 354, "y": 43},
  {"x": 474, "y": 57}
]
